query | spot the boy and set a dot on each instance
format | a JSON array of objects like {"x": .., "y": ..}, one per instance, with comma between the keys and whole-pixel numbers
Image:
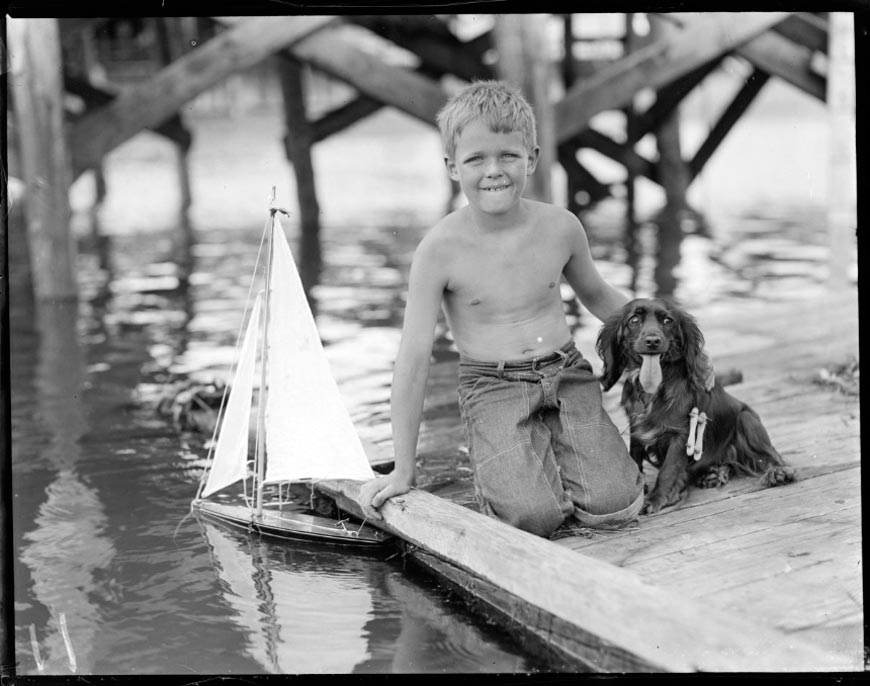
[{"x": 541, "y": 445}]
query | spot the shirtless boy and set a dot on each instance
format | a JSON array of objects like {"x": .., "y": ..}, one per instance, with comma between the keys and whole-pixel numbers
[{"x": 542, "y": 447}]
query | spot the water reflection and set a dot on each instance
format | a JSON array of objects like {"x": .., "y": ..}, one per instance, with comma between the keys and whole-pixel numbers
[
  {"x": 66, "y": 546},
  {"x": 278, "y": 607},
  {"x": 314, "y": 610}
]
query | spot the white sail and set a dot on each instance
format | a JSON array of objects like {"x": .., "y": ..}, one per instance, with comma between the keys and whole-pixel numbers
[
  {"x": 231, "y": 452},
  {"x": 309, "y": 434}
]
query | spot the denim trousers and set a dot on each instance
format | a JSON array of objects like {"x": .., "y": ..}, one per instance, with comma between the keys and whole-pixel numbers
[{"x": 542, "y": 447}]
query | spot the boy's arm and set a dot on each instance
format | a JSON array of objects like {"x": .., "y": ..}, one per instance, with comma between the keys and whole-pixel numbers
[
  {"x": 598, "y": 296},
  {"x": 426, "y": 285}
]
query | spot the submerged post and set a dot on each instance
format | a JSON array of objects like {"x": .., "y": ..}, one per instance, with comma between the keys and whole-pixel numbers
[
  {"x": 674, "y": 175},
  {"x": 37, "y": 98},
  {"x": 297, "y": 144},
  {"x": 842, "y": 183}
]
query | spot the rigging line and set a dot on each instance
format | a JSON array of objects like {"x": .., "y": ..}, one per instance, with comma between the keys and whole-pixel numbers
[{"x": 234, "y": 364}]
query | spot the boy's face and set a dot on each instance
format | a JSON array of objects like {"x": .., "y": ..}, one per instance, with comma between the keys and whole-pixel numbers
[{"x": 491, "y": 168}]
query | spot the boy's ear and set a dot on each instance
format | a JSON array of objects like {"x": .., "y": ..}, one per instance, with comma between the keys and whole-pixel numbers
[
  {"x": 534, "y": 156},
  {"x": 451, "y": 168}
]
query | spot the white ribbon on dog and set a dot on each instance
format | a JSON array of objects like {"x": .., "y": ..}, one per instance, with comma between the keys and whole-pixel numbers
[{"x": 695, "y": 442}]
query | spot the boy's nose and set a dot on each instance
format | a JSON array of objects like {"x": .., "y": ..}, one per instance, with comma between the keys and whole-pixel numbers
[{"x": 493, "y": 168}]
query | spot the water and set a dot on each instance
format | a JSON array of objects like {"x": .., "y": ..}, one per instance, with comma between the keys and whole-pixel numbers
[{"x": 110, "y": 577}]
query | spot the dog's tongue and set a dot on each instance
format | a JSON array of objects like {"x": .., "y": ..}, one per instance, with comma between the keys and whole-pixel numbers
[{"x": 650, "y": 373}]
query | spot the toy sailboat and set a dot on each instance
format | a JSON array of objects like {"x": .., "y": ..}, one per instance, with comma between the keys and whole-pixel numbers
[{"x": 304, "y": 432}]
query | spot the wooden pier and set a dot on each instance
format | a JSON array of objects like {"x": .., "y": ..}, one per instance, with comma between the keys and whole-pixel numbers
[
  {"x": 731, "y": 580},
  {"x": 188, "y": 56}
]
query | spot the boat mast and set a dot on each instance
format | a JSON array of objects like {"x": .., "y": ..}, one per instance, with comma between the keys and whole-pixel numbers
[{"x": 260, "y": 459}]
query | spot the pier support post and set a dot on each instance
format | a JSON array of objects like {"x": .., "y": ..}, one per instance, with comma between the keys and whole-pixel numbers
[
  {"x": 297, "y": 143},
  {"x": 842, "y": 182},
  {"x": 519, "y": 40},
  {"x": 37, "y": 96},
  {"x": 674, "y": 174}
]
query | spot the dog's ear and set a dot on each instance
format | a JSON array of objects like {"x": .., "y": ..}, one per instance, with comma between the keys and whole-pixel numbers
[
  {"x": 698, "y": 363},
  {"x": 610, "y": 349}
]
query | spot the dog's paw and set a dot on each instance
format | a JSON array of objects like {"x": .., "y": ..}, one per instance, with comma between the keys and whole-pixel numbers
[
  {"x": 657, "y": 500},
  {"x": 776, "y": 476},
  {"x": 715, "y": 477},
  {"x": 650, "y": 507}
]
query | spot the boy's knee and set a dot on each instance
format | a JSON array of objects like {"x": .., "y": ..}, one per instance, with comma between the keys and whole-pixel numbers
[{"x": 538, "y": 521}]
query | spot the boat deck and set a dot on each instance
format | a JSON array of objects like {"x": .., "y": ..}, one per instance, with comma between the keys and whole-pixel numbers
[{"x": 733, "y": 579}]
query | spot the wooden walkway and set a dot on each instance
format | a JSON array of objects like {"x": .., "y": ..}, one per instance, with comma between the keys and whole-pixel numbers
[{"x": 734, "y": 579}]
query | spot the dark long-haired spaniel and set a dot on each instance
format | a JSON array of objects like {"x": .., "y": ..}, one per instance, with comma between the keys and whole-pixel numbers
[{"x": 682, "y": 419}]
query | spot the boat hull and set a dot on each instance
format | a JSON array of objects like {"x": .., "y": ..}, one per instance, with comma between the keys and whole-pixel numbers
[{"x": 293, "y": 526}]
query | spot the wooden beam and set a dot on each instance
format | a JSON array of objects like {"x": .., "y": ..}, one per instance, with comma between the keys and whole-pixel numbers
[
  {"x": 623, "y": 153},
  {"x": 580, "y": 177},
  {"x": 37, "y": 99},
  {"x": 806, "y": 29},
  {"x": 94, "y": 96},
  {"x": 727, "y": 120},
  {"x": 242, "y": 46},
  {"x": 604, "y": 616},
  {"x": 775, "y": 54},
  {"x": 430, "y": 39},
  {"x": 668, "y": 98},
  {"x": 785, "y": 59},
  {"x": 332, "y": 52},
  {"x": 341, "y": 117},
  {"x": 713, "y": 35}
]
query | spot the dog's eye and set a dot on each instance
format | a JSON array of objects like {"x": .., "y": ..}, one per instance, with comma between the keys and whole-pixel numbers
[
  {"x": 667, "y": 321},
  {"x": 634, "y": 320}
]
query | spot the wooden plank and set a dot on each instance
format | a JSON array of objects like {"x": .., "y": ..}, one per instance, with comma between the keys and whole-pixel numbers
[
  {"x": 602, "y": 603},
  {"x": 673, "y": 530},
  {"x": 150, "y": 103},
  {"x": 37, "y": 99},
  {"x": 656, "y": 65}
]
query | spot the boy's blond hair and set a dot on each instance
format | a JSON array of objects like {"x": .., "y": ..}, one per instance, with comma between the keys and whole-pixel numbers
[{"x": 501, "y": 106}]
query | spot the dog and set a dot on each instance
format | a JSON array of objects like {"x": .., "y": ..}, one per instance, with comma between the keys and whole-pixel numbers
[{"x": 681, "y": 418}]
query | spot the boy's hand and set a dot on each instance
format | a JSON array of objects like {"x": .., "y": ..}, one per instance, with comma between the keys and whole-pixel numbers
[{"x": 374, "y": 493}]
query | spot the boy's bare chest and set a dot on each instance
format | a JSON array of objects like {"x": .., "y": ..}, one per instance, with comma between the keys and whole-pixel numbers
[{"x": 491, "y": 275}]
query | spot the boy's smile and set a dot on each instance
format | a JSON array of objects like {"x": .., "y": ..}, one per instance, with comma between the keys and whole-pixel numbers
[{"x": 491, "y": 167}]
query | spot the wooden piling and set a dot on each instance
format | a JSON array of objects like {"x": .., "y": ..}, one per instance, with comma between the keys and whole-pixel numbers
[
  {"x": 297, "y": 143},
  {"x": 37, "y": 96},
  {"x": 842, "y": 185},
  {"x": 519, "y": 40},
  {"x": 170, "y": 49},
  {"x": 674, "y": 177}
]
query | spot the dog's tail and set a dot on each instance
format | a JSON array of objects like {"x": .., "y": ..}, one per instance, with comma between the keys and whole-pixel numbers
[{"x": 755, "y": 454}]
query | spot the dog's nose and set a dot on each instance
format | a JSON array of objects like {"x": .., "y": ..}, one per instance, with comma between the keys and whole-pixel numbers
[{"x": 652, "y": 341}]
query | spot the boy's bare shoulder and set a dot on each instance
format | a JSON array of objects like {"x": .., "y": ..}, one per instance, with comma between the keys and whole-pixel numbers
[
  {"x": 444, "y": 234},
  {"x": 554, "y": 214}
]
